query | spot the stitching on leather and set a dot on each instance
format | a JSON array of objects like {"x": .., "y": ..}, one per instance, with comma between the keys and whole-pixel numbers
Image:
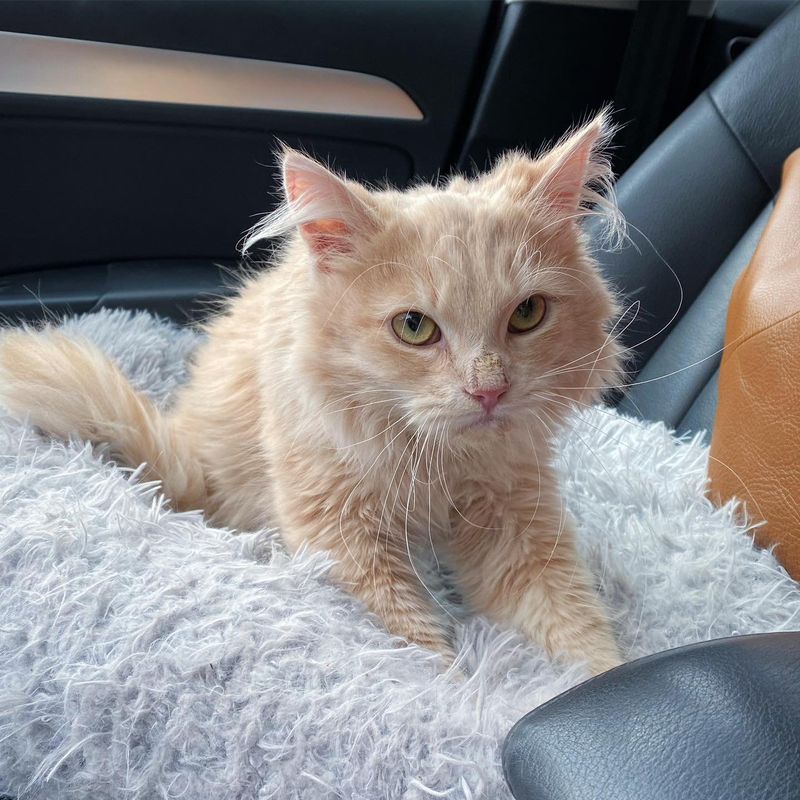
[{"x": 744, "y": 148}]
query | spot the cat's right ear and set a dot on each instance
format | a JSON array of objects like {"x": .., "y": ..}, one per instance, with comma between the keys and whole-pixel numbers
[{"x": 330, "y": 213}]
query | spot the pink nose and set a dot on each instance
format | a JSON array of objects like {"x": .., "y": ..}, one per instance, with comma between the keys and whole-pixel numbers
[{"x": 489, "y": 398}]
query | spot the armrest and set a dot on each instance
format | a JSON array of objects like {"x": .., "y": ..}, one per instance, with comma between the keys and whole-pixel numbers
[{"x": 713, "y": 721}]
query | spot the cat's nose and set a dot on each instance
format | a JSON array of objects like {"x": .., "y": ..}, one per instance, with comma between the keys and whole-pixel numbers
[{"x": 489, "y": 398}]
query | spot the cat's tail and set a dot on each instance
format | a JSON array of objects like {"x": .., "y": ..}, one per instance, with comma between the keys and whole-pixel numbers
[{"x": 68, "y": 387}]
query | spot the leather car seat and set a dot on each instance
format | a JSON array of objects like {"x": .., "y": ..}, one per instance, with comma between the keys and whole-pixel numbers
[{"x": 717, "y": 720}]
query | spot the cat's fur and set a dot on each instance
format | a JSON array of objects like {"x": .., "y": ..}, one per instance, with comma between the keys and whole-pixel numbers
[{"x": 304, "y": 410}]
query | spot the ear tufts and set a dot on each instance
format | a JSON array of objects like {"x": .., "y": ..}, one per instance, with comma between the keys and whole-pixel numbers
[
  {"x": 328, "y": 212},
  {"x": 572, "y": 180},
  {"x": 578, "y": 180}
]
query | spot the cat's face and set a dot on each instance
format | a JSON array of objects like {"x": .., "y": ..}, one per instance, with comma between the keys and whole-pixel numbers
[
  {"x": 468, "y": 309},
  {"x": 507, "y": 323}
]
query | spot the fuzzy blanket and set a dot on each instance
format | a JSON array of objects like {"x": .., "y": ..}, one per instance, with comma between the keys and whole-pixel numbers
[{"x": 144, "y": 654}]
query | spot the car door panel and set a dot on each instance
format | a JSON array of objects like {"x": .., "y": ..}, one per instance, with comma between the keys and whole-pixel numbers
[{"x": 115, "y": 179}]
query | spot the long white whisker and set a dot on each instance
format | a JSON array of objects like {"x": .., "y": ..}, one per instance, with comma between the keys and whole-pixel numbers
[
  {"x": 562, "y": 367},
  {"x": 380, "y": 433},
  {"x": 674, "y": 372},
  {"x": 411, "y": 558},
  {"x": 563, "y": 512},
  {"x": 367, "y": 405},
  {"x": 355, "y": 488}
]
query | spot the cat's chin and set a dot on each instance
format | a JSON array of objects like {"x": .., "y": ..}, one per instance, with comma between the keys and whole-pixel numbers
[{"x": 480, "y": 424}]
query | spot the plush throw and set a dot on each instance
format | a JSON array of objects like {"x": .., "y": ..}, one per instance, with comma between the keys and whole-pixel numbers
[{"x": 144, "y": 654}]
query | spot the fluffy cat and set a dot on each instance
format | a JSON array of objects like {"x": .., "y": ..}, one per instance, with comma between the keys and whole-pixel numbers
[{"x": 392, "y": 383}]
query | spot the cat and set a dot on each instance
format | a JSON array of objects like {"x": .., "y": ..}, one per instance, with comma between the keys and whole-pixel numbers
[{"x": 393, "y": 381}]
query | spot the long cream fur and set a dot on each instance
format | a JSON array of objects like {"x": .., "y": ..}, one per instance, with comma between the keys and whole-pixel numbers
[{"x": 304, "y": 409}]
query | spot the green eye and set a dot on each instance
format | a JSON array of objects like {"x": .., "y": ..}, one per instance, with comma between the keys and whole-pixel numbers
[
  {"x": 528, "y": 314},
  {"x": 414, "y": 328}
]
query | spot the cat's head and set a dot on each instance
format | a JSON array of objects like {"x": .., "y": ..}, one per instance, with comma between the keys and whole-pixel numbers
[{"x": 469, "y": 308}]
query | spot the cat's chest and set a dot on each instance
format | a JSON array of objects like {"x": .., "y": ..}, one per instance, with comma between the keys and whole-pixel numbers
[
  {"x": 418, "y": 503},
  {"x": 434, "y": 501}
]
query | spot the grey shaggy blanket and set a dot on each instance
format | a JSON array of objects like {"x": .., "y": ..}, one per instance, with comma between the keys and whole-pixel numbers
[{"x": 144, "y": 654}]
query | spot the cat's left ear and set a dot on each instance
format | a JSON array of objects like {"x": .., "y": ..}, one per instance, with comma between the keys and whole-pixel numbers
[
  {"x": 572, "y": 173},
  {"x": 576, "y": 168}
]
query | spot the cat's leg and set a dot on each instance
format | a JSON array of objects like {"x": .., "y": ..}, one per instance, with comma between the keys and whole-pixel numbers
[
  {"x": 521, "y": 568},
  {"x": 389, "y": 588},
  {"x": 372, "y": 557}
]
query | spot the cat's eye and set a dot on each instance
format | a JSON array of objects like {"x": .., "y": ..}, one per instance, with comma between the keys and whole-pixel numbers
[
  {"x": 528, "y": 314},
  {"x": 414, "y": 328}
]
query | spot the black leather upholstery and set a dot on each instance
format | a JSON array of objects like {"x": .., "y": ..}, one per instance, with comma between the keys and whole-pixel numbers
[
  {"x": 671, "y": 381},
  {"x": 692, "y": 201},
  {"x": 713, "y": 721}
]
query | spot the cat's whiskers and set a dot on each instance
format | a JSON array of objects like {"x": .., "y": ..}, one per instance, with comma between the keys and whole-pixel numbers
[
  {"x": 427, "y": 426},
  {"x": 380, "y": 433},
  {"x": 535, "y": 452},
  {"x": 430, "y": 492},
  {"x": 674, "y": 275},
  {"x": 563, "y": 367},
  {"x": 396, "y": 400},
  {"x": 539, "y": 250},
  {"x": 562, "y": 521},
  {"x": 304, "y": 427},
  {"x": 589, "y": 368},
  {"x": 429, "y": 250},
  {"x": 556, "y": 222},
  {"x": 635, "y": 304},
  {"x": 358, "y": 483},
  {"x": 447, "y": 263},
  {"x": 610, "y": 337},
  {"x": 443, "y": 479},
  {"x": 397, "y": 479},
  {"x": 429, "y": 253},
  {"x": 389, "y": 489},
  {"x": 408, "y": 540},
  {"x": 340, "y": 398},
  {"x": 459, "y": 240},
  {"x": 658, "y": 377}
]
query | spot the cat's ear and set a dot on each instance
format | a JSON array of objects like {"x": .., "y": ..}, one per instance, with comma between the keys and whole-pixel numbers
[
  {"x": 577, "y": 169},
  {"x": 573, "y": 173},
  {"x": 330, "y": 213}
]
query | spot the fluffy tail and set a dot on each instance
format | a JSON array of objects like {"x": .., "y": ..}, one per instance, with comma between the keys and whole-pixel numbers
[{"x": 69, "y": 387}]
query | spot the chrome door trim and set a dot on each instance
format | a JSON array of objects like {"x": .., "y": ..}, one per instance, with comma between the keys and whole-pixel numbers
[{"x": 53, "y": 66}]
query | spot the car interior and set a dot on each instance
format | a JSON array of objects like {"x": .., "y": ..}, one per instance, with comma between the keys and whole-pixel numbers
[{"x": 137, "y": 144}]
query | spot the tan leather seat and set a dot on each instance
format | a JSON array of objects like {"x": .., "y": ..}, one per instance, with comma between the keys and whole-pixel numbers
[{"x": 755, "y": 446}]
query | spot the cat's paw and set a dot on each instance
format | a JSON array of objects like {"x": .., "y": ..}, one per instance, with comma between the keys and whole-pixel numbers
[{"x": 447, "y": 662}]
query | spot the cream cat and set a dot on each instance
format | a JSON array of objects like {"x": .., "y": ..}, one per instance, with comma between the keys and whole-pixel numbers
[{"x": 393, "y": 381}]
